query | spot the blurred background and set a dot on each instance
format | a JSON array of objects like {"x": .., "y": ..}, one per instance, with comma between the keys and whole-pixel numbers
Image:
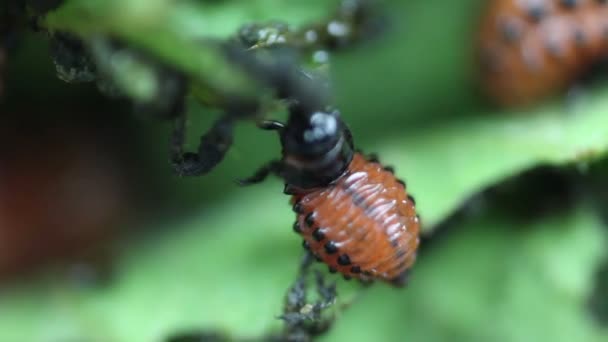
[{"x": 101, "y": 241}]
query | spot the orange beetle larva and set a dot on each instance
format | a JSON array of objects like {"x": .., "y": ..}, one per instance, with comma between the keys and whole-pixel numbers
[{"x": 531, "y": 49}]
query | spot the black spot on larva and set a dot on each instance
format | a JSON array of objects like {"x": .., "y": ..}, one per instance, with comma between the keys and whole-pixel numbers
[
  {"x": 401, "y": 182},
  {"x": 411, "y": 199},
  {"x": 344, "y": 260},
  {"x": 536, "y": 11},
  {"x": 355, "y": 269},
  {"x": 297, "y": 207},
  {"x": 296, "y": 227},
  {"x": 318, "y": 234},
  {"x": 306, "y": 245},
  {"x": 332, "y": 270},
  {"x": 330, "y": 247},
  {"x": 395, "y": 242},
  {"x": 347, "y": 277},
  {"x": 373, "y": 158},
  {"x": 569, "y": 3},
  {"x": 510, "y": 30},
  {"x": 310, "y": 219},
  {"x": 389, "y": 169}
]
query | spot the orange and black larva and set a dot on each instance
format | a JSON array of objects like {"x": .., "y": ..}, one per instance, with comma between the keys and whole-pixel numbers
[
  {"x": 531, "y": 49},
  {"x": 352, "y": 212}
]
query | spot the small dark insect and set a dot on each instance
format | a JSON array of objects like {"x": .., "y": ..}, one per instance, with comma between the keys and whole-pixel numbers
[
  {"x": 73, "y": 62},
  {"x": 353, "y": 22},
  {"x": 354, "y": 214},
  {"x": 304, "y": 320},
  {"x": 531, "y": 49}
]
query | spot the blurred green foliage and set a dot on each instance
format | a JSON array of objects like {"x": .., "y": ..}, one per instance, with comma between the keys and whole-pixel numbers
[{"x": 410, "y": 97}]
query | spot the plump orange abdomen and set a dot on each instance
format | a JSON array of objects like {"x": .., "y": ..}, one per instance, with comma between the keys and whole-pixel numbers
[
  {"x": 530, "y": 49},
  {"x": 364, "y": 225}
]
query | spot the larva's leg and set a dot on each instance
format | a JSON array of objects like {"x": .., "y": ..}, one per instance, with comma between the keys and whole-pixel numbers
[{"x": 211, "y": 151}]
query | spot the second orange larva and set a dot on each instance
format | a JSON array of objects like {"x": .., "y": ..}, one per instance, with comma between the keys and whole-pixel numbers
[{"x": 531, "y": 49}]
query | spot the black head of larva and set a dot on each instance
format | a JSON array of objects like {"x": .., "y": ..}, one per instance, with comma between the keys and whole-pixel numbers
[{"x": 317, "y": 148}]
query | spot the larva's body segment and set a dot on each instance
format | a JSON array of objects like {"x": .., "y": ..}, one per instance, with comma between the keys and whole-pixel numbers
[{"x": 531, "y": 49}]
